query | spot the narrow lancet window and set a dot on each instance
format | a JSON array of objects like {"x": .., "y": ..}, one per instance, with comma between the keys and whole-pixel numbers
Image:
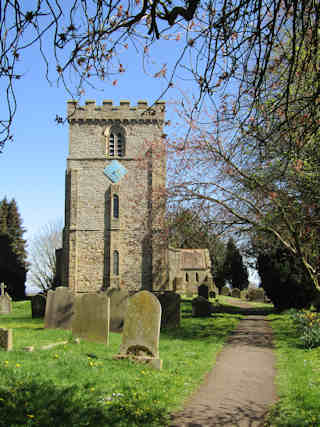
[
  {"x": 197, "y": 277},
  {"x": 116, "y": 263},
  {"x": 115, "y": 206},
  {"x": 187, "y": 277}
]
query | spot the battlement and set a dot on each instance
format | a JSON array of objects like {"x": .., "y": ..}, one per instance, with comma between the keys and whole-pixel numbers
[{"x": 124, "y": 111}]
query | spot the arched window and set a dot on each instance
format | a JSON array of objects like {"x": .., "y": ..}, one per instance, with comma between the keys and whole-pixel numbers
[
  {"x": 115, "y": 206},
  {"x": 187, "y": 277},
  {"x": 111, "y": 144},
  {"x": 116, "y": 263},
  {"x": 197, "y": 277}
]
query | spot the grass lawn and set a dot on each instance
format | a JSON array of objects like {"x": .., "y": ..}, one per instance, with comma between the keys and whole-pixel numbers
[
  {"x": 298, "y": 377},
  {"x": 81, "y": 385}
]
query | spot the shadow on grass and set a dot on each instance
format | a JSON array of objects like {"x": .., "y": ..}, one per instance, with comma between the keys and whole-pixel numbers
[
  {"x": 230, "y": 309},
  {"x": 44, "y": 404}
]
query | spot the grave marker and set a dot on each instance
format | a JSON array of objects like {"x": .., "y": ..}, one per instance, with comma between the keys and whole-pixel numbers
[
  {"x": 59, "y": 308},
  {"x": 92, "y": 317},
  {"x": 5, "y": 301},
  {"x": 6, "y": 339},
  {"x": 141, "y": 332}
]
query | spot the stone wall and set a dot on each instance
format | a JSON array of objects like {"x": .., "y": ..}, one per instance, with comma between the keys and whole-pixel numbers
[{"x": 91, "y": 234}]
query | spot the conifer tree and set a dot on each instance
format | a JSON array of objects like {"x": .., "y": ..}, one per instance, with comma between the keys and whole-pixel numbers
[
  {"x": 235, "y": 272},
  {"x": 13, "y": 265}
]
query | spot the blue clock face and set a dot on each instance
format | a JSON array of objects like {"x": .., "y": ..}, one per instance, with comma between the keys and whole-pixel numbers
[{"x": 115, "y": 171}]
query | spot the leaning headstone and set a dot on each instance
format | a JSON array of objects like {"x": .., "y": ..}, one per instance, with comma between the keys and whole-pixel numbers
[
  {"x": 141, "y": 331},
  {"x": 225, "y": 291},
  {"x": 235, "y": 293},
  {"x": 201, "y": 307},
  {"x": 38, "y": 306},
  {"x": 170, "y": 309},
  {"x": 59, "y": 308},
  {"x": 5, "y": 301},
  {"x": 6, "y": 339},
  {"x": 203, "y": 291},
  {"x": 91, "y": 317},
  {"x": 118, "y": 308}
]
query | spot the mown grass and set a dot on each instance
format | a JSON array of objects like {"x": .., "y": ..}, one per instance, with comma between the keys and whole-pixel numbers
[
  {"x": 298, "y": 377},
  {"x": 81, "y": 384}
]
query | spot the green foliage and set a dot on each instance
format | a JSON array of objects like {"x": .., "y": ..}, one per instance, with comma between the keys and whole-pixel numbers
[
  {"x": 13, "y": 265},
  {"x": 308, "y": 326},
  {"x": 81, "y": 384},
  {"x": 284, "y": 279},
  {"x": 298, "y": 377},
  {"x": 235, "y": 272}
]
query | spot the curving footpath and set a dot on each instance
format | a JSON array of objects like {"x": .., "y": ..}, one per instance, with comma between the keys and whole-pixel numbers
[{"x": 240, "y": 388}]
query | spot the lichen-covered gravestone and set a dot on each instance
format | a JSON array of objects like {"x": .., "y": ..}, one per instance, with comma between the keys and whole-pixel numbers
[
  {"x": 5, "y": 301},
  {"x": 6, "y": 339},
  {"x": 38, "y": 306},
  {"x": 141, "y": 331},
  {"x": 91, "y": 317},
  {"x": 118, "y": 308},
  {"x": 59, "y": 309},
  {"x": 236, "y": 293}
]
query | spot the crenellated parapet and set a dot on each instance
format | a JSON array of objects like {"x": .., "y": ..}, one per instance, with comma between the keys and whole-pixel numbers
[{"x": 107, "y": 113}]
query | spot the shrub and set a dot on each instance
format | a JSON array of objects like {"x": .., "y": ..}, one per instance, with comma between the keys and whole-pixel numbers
[{"x": 308, "y": 326}]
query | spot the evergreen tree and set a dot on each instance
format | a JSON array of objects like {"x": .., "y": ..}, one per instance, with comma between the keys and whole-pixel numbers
[
  {"x": 235, "y": 272},
  {"x": 13, "y": 265}
]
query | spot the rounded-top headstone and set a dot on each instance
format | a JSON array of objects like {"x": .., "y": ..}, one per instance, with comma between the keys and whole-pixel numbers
[{"x": 141, "y": 329}]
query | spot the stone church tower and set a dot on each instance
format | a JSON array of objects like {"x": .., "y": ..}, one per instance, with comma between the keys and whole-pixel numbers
[{"x": 115, "y": 178}]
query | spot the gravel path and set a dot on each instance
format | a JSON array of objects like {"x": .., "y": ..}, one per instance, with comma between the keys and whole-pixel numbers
[{"x": 240, "y": 387}]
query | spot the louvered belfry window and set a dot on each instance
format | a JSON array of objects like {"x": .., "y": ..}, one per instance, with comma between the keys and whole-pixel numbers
[
  {"x": 116, "y": 143},
  {"x": 111, "y": 145}
]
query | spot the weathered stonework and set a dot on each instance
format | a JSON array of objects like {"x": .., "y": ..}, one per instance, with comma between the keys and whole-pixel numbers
[{"x": 93, "y": 235}]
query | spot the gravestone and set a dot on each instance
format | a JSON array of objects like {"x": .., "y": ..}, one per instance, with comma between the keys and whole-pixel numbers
[
  {"x": 38, "y": 306},
  {"x": 91, "y": 317},
  {"x": 5, "y": 301},
  {"x": 6, "y": 339},
  {"x": 236, "y": 293},
  {"x": 141, "y": 331},
  {"x": 201, "y": 307},
  {"x": 203, "y": 291},
  {"x": 170, "y": 309},
  {"x": 118, "y": 308},
  {"x": 225, "y": 291},
  {"x": 59, "y": 308},
  {"x": 255, "y": 294}
]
